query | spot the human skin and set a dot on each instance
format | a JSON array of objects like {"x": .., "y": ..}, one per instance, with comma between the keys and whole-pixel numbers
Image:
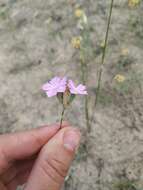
[{"x": 39, "y": 158}]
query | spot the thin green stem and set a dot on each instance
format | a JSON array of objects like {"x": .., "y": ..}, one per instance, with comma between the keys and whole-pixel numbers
[
  {"x": 103, "y": 58},
  {"x": 87, "y": 114},
  {"x": 62, "y": 117},
  {"x": 84, "y": 80},
  {"x": 107, "y": 32}
]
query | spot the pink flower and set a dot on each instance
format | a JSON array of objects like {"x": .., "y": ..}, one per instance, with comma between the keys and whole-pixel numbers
[
  {"x": 80, "y": 89},
  {"x": 61, "y": 85},
  {"x": 54, "y": 86}
]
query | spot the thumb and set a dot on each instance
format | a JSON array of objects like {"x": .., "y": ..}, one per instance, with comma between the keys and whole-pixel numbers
[{"x": 54, "y": 161}]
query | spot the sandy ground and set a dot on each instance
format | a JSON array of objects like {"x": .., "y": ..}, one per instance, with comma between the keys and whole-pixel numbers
[{"x": 35, "y": 45}]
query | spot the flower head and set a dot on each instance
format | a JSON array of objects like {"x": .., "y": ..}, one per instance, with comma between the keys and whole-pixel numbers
[
  {"x": 54, "y": 86},
  {"x": 102, "y": 45},
  {"x": 119, "y": 78},
  {"x": 80, "y": 89},
  {"x": 133, "y": 3},
  {"x": 64, "y": 89},
  {"x": 62, "y": 85},
  {"x": 76, "y": 42},
  {"x": 79, "y": 13}
]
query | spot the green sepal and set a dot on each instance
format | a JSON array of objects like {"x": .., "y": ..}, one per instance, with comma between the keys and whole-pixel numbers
[
  {"x": 65, "y": 99},
  {"x": 72, "y": 97}
]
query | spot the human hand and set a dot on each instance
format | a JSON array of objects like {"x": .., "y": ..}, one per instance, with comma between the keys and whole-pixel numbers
[{"x": 40, "y": 157}]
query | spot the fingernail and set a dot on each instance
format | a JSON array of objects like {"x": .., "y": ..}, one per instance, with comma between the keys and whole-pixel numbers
[{"x": 71, "y": 139}]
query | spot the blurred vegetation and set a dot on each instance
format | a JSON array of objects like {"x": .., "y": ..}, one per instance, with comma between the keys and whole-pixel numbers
[{"x": 125, "y": 185}]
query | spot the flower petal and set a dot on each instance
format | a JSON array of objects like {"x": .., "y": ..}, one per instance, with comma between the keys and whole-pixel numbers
[
  {"x": 55, "y": 80},
  {"x": 54, "y": 86},
  {"x": 62, "y": 85},
  {"x": 51, "y": 93},
  {"x": 46, "y": 86},
  {"x": 80, "y": 89}
]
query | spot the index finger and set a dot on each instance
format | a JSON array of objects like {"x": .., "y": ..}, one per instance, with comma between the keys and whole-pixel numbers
[{"x": 24, "y": 144}]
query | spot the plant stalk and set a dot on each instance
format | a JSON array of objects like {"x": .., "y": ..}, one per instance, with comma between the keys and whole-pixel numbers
[
  {"x": 84, "y": 80},
  {"x": 62, "y": 117},
  {"x": 103, "y": 58}
]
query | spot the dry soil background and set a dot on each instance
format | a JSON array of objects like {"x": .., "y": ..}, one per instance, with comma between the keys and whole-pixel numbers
[{"x": 35, "y": 45}]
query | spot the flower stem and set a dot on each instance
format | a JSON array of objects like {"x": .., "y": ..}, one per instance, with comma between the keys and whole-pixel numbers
[
  {"x": 103, "y": 58},
  {"x": 62, "y": 117},
  {"x": 84, "y": 80}
]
